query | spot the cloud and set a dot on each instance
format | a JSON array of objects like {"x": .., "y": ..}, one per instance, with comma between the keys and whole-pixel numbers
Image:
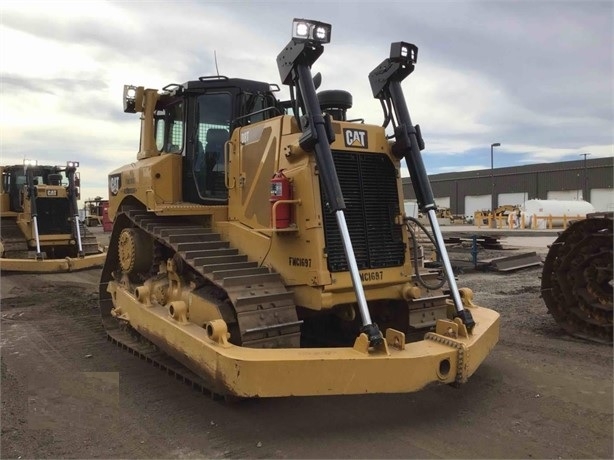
[{"x": 535, "y": 76}]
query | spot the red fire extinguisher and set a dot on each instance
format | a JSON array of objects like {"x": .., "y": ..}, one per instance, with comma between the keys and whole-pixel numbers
[{"x": 280, "y": 190}]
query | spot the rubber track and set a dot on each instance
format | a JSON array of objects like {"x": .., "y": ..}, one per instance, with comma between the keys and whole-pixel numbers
[
  {"x": 264, "y": 308},
  {"x": 15, "y": 246},
  {"x": 577, "y": 278}
]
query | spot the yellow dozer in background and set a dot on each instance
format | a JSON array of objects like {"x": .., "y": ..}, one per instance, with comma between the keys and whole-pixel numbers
[
  {"x": 262, "y": 244},
  {"x": 40, "y": 229}
]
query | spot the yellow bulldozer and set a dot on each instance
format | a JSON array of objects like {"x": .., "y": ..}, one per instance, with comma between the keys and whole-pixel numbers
[
  {"x": 40, "y": 229},
  {"x": 262, "y": 243},
  {"x": 93, "y": 210}
]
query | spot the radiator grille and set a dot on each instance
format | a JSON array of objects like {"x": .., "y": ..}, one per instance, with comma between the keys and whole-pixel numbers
[
  {"x": 369, "y": 186},
  {"x": 53, "y": 215}
]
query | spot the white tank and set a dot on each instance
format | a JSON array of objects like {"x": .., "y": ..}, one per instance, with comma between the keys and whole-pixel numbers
[
  {"x": 555, "y": 208},
  {"x": 411, "y": 209}
]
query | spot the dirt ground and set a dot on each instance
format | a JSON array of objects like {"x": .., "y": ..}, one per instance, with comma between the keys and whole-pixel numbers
[{"x": 66, "y": 392}]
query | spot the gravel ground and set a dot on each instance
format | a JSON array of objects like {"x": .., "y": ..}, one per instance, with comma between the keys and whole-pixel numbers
[{"x": 68, "y": 393}]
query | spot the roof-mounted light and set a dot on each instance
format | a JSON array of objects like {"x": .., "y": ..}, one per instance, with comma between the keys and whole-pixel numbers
[
  {"x": 308, "y": 30},
  {"x": 401, "y": 63},
  {"x": 72, "y": 164},
  {"x": 404, "y": 52},
  {"x": 30, "y": 162}
]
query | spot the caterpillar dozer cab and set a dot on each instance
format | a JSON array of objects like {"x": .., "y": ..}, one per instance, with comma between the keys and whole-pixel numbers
[
  {"x": 262, "y": 244},
  {"x": 40, "y": 229}
]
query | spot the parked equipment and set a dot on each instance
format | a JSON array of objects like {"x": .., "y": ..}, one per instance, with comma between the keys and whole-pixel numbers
[
  {"x": 262, "y": 244},
  {"x": 40, "y": 228},
  {"x": 577, "y": 278},
  {"x": 94, "y": 211},
  {"x": 502, "y": 216}
]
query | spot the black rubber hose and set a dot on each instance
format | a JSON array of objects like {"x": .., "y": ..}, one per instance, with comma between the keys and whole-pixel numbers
[{"x": 415, "y": 252}]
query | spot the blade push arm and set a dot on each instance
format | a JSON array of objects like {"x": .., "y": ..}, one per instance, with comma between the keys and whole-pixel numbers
[
  {"x": 294, "y": 64},
  {"x": 385, "y": 82}
]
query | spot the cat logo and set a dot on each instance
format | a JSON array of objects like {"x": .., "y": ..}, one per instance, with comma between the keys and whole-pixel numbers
[
  {"x": 115, "y": 183},
  {"x": 355, "y": 138}
]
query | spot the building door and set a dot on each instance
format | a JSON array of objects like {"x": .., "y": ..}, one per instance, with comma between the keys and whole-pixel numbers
[
  {"x": 476, "y": 203},
  {"x": 565, "y": 195},
  {"x": 514, "y": 199},
  {"x": 602, "y": 199}
]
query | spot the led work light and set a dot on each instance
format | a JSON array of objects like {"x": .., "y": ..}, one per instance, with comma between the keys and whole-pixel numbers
[
  {"x": 307, "y": 30},
  {"x": 129, "y": 99},
  {"x": 404, "y": 52}
]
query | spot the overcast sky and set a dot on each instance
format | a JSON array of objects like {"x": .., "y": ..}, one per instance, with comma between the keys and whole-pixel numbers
[{"x": 536, "y": 76}]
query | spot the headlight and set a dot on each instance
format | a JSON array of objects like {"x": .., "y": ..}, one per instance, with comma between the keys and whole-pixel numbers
[
  {"x": 30, "y": 162},
  {"x": 301, "y": 30},
  {"x": 308, "y": 30},
  {"x": 130, "y": 93},
  {"x": 404, "y": 52},
  {"x": 72, "y": 164}
]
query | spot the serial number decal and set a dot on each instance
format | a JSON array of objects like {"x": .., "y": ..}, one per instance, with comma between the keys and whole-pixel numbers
[
  {"x": 371, "y": 276},
  {"x": 52, "y": 193},
  {"x": 299, "y": 262}
]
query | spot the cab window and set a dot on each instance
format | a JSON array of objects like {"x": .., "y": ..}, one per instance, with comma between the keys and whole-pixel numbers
[
  {"x": 212, "y": 132},
  {"x": 20, "y": 179},
  {"x": 6, "y": 181},
  {"x": 257, "y": 107},
  {"x": 170, "y": 128}
]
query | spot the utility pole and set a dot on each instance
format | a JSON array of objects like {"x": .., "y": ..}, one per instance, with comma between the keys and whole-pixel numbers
[
  {"x": 493, "y": 205},
  {"x": 585, "y": 184}
]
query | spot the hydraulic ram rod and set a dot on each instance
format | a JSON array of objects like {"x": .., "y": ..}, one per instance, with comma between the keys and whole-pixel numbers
[
  {"x": 72, "y": 191},
  {"x": 332, "y": 190},
  {"x": 33, "y": 211},
  {"x": 385, "y": 82}
]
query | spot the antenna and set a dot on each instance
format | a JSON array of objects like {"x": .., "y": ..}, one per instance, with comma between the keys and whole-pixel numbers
[{"x": 215, "y": 58}]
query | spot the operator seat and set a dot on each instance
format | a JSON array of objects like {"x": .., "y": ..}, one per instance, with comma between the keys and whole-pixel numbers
[{"x": 55, "y": 179}]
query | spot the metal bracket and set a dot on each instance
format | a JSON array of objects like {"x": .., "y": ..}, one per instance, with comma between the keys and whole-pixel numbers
[
  {"x": 395, "y": 339},
  {"x": 361, "y": 344}
]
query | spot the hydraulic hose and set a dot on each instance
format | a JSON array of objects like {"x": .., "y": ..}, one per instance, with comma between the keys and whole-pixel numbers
[{"x": 414, "y": 240}]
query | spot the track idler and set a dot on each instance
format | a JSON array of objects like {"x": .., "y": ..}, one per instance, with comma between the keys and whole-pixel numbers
[{"x": 577, "y": 278}]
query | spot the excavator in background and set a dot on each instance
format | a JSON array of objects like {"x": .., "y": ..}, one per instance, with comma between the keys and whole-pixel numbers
[
  {"x": 577, "y": 278},
  {"x": 262, "y": 244},
  {"x": 40, "y": 229}
]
